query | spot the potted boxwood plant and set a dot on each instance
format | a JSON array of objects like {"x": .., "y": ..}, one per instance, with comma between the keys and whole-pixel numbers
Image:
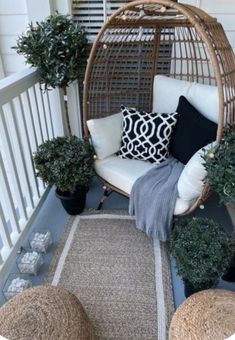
[
  {"x": 202, "y": 252},
  {"x": 67, "y": 163},
  {"x": 220, "y": 167},
  {"x": 57, "y": 46}
]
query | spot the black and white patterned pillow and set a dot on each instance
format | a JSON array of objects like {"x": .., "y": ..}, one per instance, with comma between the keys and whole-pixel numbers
[{"x": 146, "y": 135}]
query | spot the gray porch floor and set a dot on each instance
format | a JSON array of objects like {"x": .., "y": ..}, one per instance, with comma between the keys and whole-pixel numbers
[{"x": 52, "y": 216}]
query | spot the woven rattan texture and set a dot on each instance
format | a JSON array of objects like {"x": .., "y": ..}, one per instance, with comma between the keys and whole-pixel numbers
[
  {"x": 207, "y": 315},
  {"x": 145, "y": 38},
  {"x": 47, "y": 313}
]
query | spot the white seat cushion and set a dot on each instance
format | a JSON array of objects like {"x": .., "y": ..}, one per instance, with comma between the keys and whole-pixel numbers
[
  {"x": 166, "y": 93},
  {"x": 122, "y": 173},
  {"x": 106, "y": 134}
]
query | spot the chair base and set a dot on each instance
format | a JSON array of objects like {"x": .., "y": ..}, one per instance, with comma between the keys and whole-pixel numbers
[{"x": 107, "y": 192}]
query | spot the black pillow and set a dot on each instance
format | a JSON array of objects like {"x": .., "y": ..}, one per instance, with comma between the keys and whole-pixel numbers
[
  {"x": 146, "y": 136},
  {"x": 191, "y": 133}
]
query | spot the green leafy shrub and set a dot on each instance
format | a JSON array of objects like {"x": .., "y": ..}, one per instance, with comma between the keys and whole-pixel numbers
[
  {"x": 220, "y": 166},
  {"x": 65, "y": 162},
  {"x": 202, "y": 251},
  {"x": 56, "y": 47}
]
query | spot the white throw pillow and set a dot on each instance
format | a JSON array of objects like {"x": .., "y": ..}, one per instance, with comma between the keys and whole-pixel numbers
[
  {"x": 190, "y": 183},
  {"x": 106, "y": 134},
  {"x": 166, "y": 93}
]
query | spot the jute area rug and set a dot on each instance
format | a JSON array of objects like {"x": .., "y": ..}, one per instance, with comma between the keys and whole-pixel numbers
[{"x": 121, "y": 277}]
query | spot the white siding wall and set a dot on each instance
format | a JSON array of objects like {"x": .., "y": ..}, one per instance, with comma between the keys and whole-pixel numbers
[
  {"x": 224, "y": 11},
  {"x": 15, "y": 15},
  {"x": 14, "y": 18},
  {"x": 13, "y": 21}
]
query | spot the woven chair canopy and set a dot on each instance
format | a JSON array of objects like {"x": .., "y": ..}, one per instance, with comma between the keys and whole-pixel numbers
[{"x": 157, "y": 37}]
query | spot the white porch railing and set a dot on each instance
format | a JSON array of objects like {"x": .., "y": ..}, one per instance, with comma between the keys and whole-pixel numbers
[{"x": 28, "y": 117}]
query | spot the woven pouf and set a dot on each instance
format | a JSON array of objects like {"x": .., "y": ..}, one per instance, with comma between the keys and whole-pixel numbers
[
  {"x": 207, "y": 315},
  {"x": 45, "y": 313}
]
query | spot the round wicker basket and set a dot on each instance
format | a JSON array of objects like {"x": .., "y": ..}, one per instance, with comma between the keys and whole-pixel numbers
[
  {"x": 207, "y": 315},
  {"x": 45, "y": 312}
]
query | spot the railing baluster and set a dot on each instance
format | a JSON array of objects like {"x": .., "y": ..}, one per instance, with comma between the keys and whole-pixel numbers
[
  {"x": 32, "y": 119},
  {"x": 29, "y": 193},
  {"x": 26, "y": 120},
  {"x": 38, "y": 113},
  {"x": 30, "y": 164},
  {"x": 29, "y": 100},
  {"x": 8, "y": 147},
  {"x": 11, "y": 210},
  {"x": 4, "y": 232},
  {"x": 50, "y": 114},
  {"x": 1, "y": 259},
  {"x": 44, "y": 114}
]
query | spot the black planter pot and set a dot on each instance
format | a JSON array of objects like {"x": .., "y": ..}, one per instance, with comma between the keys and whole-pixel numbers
[
  {"x": 73, "y": 203},
  {"x": 230, "y": 274},
  {"x": 188, "y": 289}
]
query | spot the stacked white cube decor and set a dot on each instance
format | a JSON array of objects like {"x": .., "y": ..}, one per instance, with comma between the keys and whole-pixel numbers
[
  {"x": 30, "y": 262},
  {"x": 16, "y": 283},
  {"x": 41, "y": 241}
]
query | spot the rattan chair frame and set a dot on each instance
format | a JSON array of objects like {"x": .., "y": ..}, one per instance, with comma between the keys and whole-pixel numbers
[{"x": 145, "y": 38}]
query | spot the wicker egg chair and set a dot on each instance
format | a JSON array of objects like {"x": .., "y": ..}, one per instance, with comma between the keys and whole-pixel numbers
[{"x": 145, "y": 38}]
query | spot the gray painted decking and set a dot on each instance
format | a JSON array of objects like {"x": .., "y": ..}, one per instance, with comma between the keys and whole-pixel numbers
[{"x": 52, "y": 216}]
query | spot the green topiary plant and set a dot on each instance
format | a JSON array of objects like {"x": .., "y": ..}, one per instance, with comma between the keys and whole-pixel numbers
[
  {"x": 220, "y": 167},
  {"x": 65, "y": 162},
  {"x": 56, "y": 47},
  {"x": 202, "y": 251}
]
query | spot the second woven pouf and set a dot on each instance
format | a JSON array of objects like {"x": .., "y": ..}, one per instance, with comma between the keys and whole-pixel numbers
[
  {"x": 207, "y": 315},
  {"x": 45, "y": 313}
]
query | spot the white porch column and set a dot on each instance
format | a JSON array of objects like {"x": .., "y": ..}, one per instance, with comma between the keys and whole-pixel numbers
[
  {"x": 74, "y": 109},
  {"x": 62, "y": 6},
  {"x": 2, "y": 72},
  {"x": 73, "y": 100},
  {"x": 38, "y": 10}
]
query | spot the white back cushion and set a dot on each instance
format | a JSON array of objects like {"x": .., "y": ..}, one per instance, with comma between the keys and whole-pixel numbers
[
  {"x": 166, "y": 93},
  {"x": 205, "y": 99},
  {"x": 106, "y": 134},
  {"x": 190, "y": 183}
]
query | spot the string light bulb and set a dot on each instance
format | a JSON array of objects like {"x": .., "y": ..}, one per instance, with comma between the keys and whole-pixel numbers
[{"x": 163, "y": 9}]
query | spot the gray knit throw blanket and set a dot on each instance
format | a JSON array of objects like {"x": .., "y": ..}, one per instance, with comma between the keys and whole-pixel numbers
[{"x": 153, "y": 199}]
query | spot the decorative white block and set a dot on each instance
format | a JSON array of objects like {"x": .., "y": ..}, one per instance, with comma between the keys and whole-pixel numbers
[
  {"x": 40, "y": 240},
  {"x": 30, "y": 262},
  {"x": 15, "y": 284}
]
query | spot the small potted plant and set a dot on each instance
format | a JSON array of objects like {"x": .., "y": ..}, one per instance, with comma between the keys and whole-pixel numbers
[
  {"x": 220, "y": 167},
  {"x": 57, "y": 46},
  {"x": 67, "y": 163},
  {"x": 202, "y": 253}
]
